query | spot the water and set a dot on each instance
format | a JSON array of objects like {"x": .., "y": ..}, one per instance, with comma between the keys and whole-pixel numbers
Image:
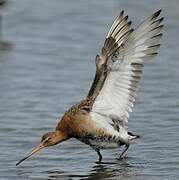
[{"x": 47, "y": 65}]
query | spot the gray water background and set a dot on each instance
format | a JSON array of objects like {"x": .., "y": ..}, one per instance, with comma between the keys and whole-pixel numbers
[{"x": 47, "y": 64}]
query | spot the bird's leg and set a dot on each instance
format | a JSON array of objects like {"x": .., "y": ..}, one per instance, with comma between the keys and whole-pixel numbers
[
  {"x": 125, "y": 149},
  {"x": 99, "y": 154}
]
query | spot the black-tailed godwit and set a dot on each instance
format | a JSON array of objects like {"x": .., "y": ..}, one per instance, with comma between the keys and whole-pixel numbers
[{"x": 100, "y": 120}]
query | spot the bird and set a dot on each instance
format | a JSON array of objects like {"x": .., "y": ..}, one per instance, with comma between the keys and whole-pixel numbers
[{"x": 100, "y": 120}]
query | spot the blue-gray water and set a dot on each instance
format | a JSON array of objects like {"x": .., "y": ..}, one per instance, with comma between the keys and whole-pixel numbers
[{"x": 48, "y": 65}]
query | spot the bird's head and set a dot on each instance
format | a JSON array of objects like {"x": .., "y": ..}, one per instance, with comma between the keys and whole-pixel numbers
[{"x": 48, "y": 139}]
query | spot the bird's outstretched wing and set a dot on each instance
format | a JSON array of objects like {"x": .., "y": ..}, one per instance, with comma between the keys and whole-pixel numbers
[
  {"x": 117, "y": 34},
  {"x": 119, "y": 67}
]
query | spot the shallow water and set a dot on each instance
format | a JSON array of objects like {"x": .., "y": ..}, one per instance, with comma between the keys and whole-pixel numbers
[{"x": 47, "y": 64}]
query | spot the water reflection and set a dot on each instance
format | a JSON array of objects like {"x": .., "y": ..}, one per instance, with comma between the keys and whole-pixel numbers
[
  {"x": 102, "y": 171},
  {"x": 119, "y": 170}
]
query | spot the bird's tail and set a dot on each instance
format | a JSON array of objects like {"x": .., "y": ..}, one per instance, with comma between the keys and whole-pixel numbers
[{"x": 133, "y": 136}]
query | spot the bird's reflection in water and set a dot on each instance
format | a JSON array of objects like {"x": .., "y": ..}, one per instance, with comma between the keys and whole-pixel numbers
[
  {"x": 117, "y": 170},
  {"x": 107, "y": 171}
]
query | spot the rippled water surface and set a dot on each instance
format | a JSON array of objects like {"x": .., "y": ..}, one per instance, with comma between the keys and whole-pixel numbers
[{"x": 47, "y": 64}]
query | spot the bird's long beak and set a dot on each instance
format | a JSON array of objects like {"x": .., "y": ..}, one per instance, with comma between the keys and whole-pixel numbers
[{"x": 35, "y": 150}]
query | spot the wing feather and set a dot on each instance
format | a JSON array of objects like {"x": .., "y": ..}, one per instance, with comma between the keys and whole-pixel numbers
[
  {"x": 125, "y": 64},
  {"x": 117, "y": 34}
]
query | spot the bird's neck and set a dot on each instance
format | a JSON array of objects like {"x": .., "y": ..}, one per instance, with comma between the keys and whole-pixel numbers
[{"x": 60, "y": 136}]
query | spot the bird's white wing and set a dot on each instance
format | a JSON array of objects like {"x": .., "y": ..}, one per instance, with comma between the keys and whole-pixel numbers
[
  {"x": 115, "y": 100},
  {"x": 117, "y": 34}
]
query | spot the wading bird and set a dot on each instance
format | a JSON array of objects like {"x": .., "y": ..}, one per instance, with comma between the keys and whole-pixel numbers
[{"x": 100, "y": 120}]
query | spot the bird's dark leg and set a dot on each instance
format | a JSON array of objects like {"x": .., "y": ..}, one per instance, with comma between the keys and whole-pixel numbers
[
  {"x": 125, "y": 149},
  {"x": 99, "y": 154}
]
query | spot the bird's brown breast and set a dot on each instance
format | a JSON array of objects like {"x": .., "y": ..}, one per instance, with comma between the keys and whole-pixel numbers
[
  {"x": 77, "y": 122},
  {"x": 77, "y": 125}
]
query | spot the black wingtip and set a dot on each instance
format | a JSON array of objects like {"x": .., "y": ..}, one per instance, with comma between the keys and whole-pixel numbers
[
  {"x": 156, "y": 14},
  {"x": 161, "y": 19},
  {"x": 161, "y": 26},
  {"x": 131, "y": 30},
  {"x": 122, "y": 13},
  {"x": 157, "y": 36},
  {"x": 129, "y": 23},
  {"x": 126, "y": 18}
]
